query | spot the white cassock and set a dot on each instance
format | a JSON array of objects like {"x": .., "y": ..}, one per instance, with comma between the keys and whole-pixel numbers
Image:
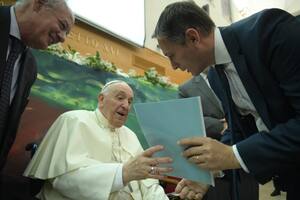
[{"x": 79, "y": 159}]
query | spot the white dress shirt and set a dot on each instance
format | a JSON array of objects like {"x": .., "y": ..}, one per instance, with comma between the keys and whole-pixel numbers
[{"x": 239, "y": 95}]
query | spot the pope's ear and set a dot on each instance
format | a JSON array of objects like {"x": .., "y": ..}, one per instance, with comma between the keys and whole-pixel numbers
[
  {"x": 192, "y": 35},
  {"x": 100, "y": 99}
]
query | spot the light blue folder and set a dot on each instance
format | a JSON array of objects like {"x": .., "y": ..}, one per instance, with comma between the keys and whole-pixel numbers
[{"x": 165, "y": 123}]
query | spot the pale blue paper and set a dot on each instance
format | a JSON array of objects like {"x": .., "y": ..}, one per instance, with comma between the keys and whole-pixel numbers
[{"x": 165, "y": 123}]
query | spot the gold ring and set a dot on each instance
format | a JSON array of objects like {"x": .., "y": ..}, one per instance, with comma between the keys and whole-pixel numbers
[{"x": 152, "y": 170}]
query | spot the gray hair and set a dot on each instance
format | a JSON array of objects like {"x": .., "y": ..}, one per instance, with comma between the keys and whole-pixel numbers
[
  {"x": 107, "y": 85},
  {"x": 177, "y": 17},
  {"x": 49, "y": 3}
]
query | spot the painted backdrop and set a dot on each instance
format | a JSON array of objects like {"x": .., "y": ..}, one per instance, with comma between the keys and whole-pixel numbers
[{"x": 62, "y": 85}]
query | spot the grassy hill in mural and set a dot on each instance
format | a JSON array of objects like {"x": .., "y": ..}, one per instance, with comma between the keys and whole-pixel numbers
[{"x": 71, "y": 86}]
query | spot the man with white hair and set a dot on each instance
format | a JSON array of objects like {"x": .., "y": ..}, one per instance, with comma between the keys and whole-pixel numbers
[
  {"x": 28, "y": 23},
  {"x": 91, "y": 155}
]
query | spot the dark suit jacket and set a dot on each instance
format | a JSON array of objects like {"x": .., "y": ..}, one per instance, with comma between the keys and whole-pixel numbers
[
  {"x": 211, "y": 105},
  {"x": 265, "y": 49},
  {"x": 27, "y": 76},
  {"x": 213, "y": 112}
]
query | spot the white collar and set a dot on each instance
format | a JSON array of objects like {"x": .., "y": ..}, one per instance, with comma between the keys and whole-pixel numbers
[
  {"x": 221, "y": 54},
  {"x": 103, "y": 122},
  {"x": 14, "y": 27}
]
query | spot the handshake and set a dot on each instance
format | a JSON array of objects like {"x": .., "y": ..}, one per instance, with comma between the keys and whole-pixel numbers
[{"x": 146, "y": 166}]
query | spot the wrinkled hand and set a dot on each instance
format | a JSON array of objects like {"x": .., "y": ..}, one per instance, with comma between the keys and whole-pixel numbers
[
  {"x": 191, "y": 190},
  {"x": 144, "y": 166},
  {"x": 209, "y": 154}
]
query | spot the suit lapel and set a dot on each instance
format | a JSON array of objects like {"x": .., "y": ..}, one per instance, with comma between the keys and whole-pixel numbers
[
  {"x": 207, "y": 92},
  {"x": 4, "y": 26},
  {"x": 250, "y": 85}
]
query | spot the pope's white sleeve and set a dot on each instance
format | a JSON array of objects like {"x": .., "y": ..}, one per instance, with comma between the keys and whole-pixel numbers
[
  {"x": 152, "y": 190},
  {"x": 90, "y": 183}
]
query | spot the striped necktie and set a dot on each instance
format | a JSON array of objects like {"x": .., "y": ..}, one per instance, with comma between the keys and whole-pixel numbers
[
  {"x": 5, "y": 88},
  {"x": 232, "y": 122}
]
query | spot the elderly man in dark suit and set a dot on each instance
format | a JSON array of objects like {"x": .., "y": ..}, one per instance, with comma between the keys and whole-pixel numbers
[
  {"x": 29, "y": 23},
  {"x": 256, "y": 75}
]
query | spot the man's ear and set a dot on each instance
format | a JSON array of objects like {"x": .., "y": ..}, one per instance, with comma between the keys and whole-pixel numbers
[
  {"x": 192, "y": 36},
  {"x": 38, "y": 4}
]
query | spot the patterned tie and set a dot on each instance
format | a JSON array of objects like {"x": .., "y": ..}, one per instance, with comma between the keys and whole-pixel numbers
[
  {"x": 232, "y": 122},
  {"x": 16, "y": 49}
]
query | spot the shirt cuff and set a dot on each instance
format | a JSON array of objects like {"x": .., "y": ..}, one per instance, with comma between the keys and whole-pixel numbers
[
  {"x": 118, "y": 180},
  {"x": 219, "y": 174},
  {"x": 238, "y": 157}
]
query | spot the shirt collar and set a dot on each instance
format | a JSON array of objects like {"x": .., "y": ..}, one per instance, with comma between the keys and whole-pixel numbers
[
  {"x": 199, "y": 77},
  {"x": 221, "y": 54},
  {"x": 103, "y": 122},
  {"x": 14, "y": 27}
]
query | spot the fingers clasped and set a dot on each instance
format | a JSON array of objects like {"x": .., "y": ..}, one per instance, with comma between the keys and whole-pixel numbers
[
  {"x": 191, "y": 190},
  {"x": 186, "y": 193}
]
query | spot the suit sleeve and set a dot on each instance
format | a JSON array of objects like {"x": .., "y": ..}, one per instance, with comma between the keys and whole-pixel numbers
[
  {"x": 277, "y": 152},
  {"x": 181, "y": 93}
]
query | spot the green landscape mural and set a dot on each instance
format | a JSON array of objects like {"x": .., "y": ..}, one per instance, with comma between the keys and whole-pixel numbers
[{"x": 65, "y": 84}]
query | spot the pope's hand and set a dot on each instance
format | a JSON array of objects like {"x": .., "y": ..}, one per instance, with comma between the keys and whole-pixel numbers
[
  {"x": 191, "y": 190},
  {"x": 144, "y": 166},
  {"x": 209, "y": 154}
]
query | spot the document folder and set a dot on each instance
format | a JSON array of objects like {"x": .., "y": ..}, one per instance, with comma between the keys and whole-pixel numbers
[{"x": 166, "y": 122}]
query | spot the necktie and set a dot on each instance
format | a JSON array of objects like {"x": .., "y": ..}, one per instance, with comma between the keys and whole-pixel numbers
[
  {"x": 232, "y": 120},
  {"x": 16, "y": 49}
]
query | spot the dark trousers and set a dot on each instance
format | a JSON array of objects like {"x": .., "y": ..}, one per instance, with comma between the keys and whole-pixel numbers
[
  {"x": 289, "y": 182},
  {"x": 292, "y": 189},
  {"x": 248, "y": 188},
  {"x": 15, "y": 188}
]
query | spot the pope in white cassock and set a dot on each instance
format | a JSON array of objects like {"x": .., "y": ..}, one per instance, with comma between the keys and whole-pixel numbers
[{"x": 91, "y": 155}]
